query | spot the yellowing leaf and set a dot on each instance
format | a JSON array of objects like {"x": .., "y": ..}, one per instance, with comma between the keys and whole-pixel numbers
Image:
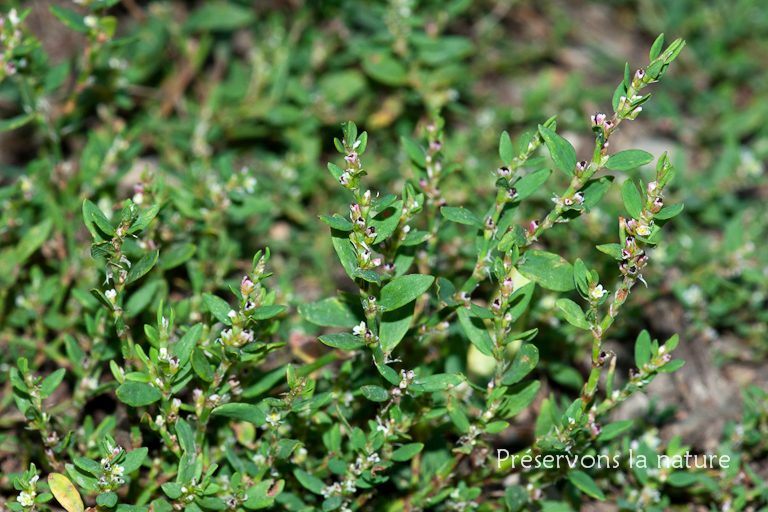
[{"x": 65, "y": 493}]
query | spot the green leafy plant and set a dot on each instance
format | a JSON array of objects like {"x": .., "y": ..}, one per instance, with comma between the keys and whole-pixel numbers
[{"x": 450, "y": 333}]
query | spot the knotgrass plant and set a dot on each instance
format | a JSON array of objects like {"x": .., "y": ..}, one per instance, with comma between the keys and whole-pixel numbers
[{"x": 213, "y": 413}]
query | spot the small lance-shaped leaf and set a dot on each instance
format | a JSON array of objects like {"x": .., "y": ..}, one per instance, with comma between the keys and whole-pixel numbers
[
  {"x": 506, "y": 150},
  {"x": 415, "y": 153},
  {"x": 183, "y": 348},
  {"x": 137, "y": 394},
  {"x": 267, "y": 312},
  {"x": 143, "y": 219},
  {"x": 403, "y": 290},
  {"x": 310, "y": 482},
  {"x": 462, "y": 216},
  {"x": 525, "y": 361},
  {"x": 15, "y": 122},
  {"x": 96, "y": 222},
  {"x": 629, "y": 159},
  {"x": 614, "y": 429},
  {"x": 143, "y": 266},
  {"x": 682, "y": 479},
  {"x": 342, "y": 340},
  {"x": 240, "y": 411},
  {"x": 394, "y": 325},
  {"x": 375, "y": 393},
  {"x": 530, "y": 183},
  {"x": 134, "y": 459},
  {"x": 65, "y": 493},
  {"x": 643, "y": 349},
  {"x": 370, "y": 276},
  {"x": 218, "y": 308},
  {"x": 561, "y": 150},
  {"x": 633, "y": 202},
  {"x": 586, "y": 485},
  {"x": 475, "y": 331},
  {"x": 51, "y": 382},
  {"x": 201, "y": 366},
  {"x": 669, "y": 211},
  {"x": 332, "y": 312},
  {"x": 439, "y": 382},
  {"x": 337, "y": 222},
  {"x": 549, "y": 270},
  {"x": 407, "y": 452},
  {"x": 69, "y": 18},
  {"x": 520, "y": 397},
  {"x": 345, "y": 250},
  {"x": 515, "y": 498},
  {"x": 611, "y": 250},
  {"x": 573, "y": 313}
]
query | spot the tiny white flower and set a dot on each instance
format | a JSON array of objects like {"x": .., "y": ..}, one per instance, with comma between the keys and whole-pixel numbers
[
  {"x": 90, "y": 21},
  {"x": 643, "y": 230},
  {"x": 163, "y": 354},
  {"x": 232, "y": 314},
  {"x": 110, "y": 294},
  {"x": 359, "y": 330},
  {"x": 26, "y": 499},
  {"x": 597, "y": 292}
]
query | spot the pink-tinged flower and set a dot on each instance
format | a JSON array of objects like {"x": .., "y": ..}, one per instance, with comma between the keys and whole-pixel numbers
[
  {"x": 435, "y": 146},
  {"x": 503, "y": 172},
  {"x": 533, "y": 226},
  {"x": 507, "y": 286},
  {"x": 598, "y": 119},
  {"x": 579, "y": 197},
  {"x": 640, "y": 74}
]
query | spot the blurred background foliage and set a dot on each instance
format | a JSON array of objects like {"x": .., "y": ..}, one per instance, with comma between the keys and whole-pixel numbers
[{"x": 229, "y": 109}]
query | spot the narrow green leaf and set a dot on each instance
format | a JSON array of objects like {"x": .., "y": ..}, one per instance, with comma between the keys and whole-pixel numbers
[
  {"x": 462, "y": 216},
  {"x": 475, "y": 331},
  {"x": 614, "y": 430},
  {"x": 218, "y": 308},
  {"x": 201, "y": 366},
  {"x": 669, "y": 211},
  {"x": 585, "y": 484},
  {"x": 633, "y": 202},
  {"x": 439, "y": 382},
  {"x": 506, "y": 149},
  {"x": 137, "y": 394},
  {"x": 404, "y": 289},
  {"x": 144, "y": 219},
  {"x": 183, "y": 348},
  {"x": 332, "y": 312},
  {"x": 407, "y": 452},
  {"x": 342, "y": 340},
  {"x": 530, "y": 183},
  {"x": 70, "y": 19},
  {"x": 658, "y": 44},
  {"x": 394, "y": 325},
  {"x": 629, "y": 159},
  {"x": 310, "y": 482},
  {"x": 15, "y": 122},
  {"x": 375, "y": 393},
  {"x": 549, "y": 270},
  {"x": 560, "y": 150},
  {"x": 267, "y": 312},
  {"x": 643, "y": 349},
  {"x": 415, "y": 153},
  {"x": 525, "y": 361},
  {"x": 573, "y": 313},
  {"x": 240, "y": 411},
  {"x": 51, "y": 382},
  {"x": 144, "y": 265}
]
